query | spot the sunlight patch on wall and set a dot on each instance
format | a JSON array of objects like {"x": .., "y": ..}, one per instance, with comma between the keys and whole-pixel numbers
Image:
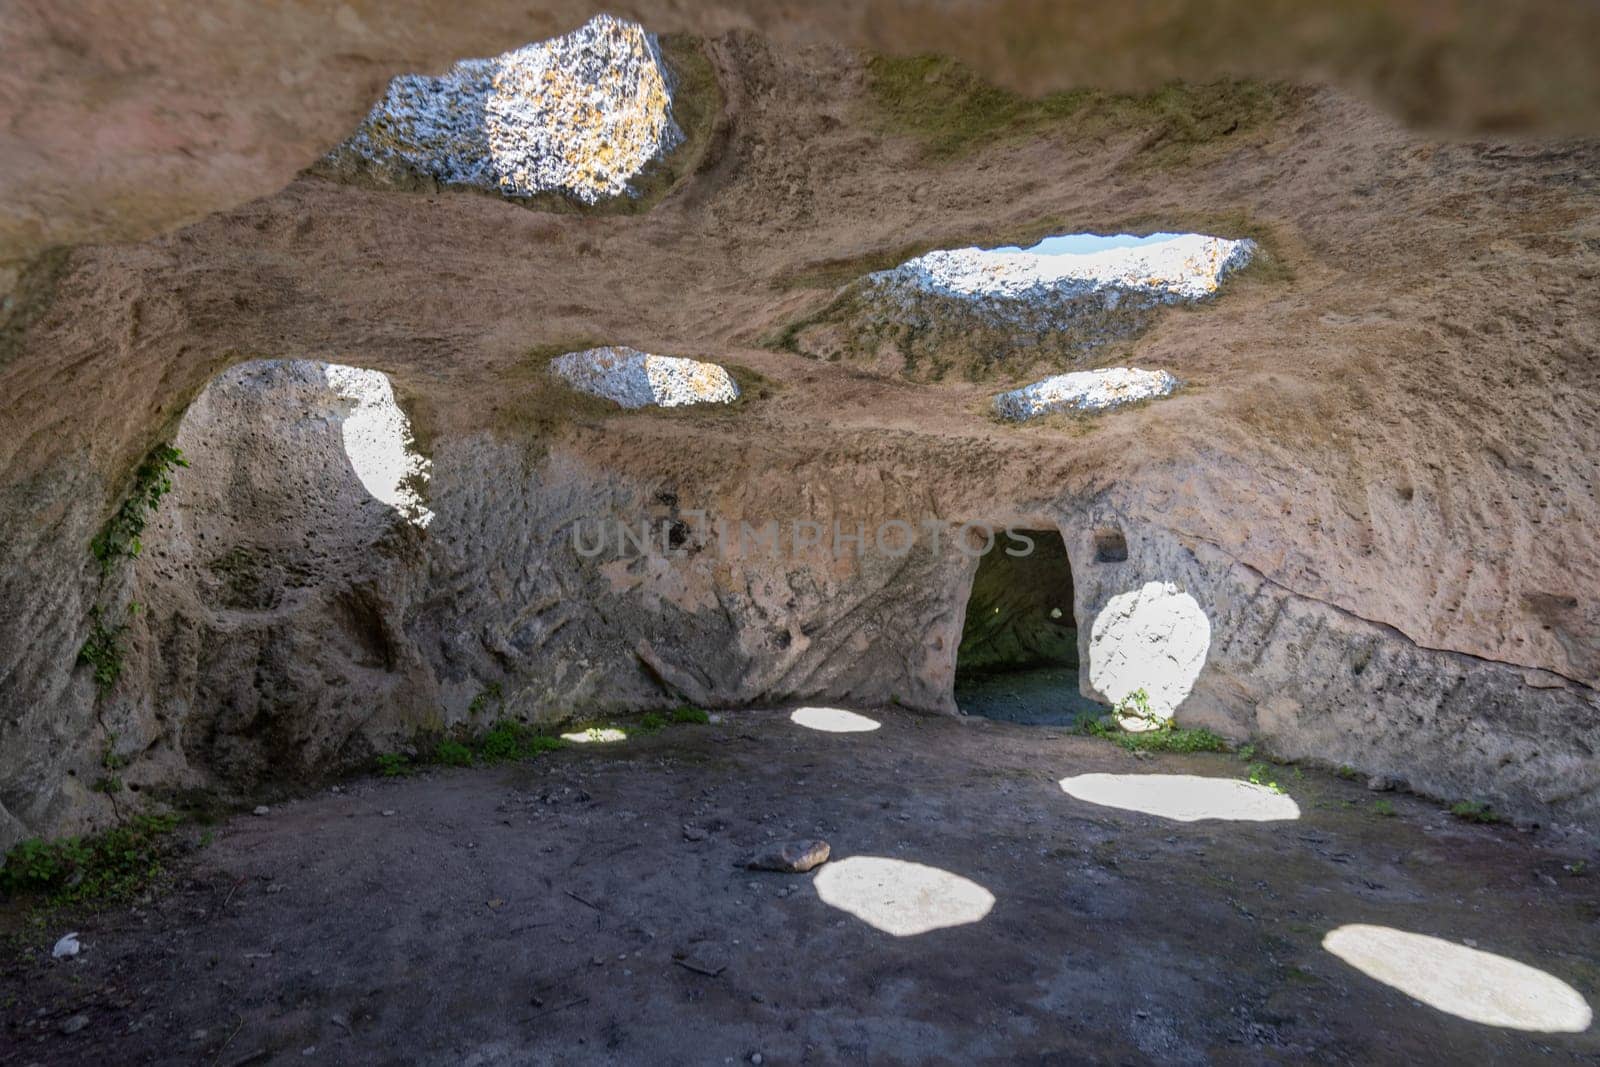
[
  {"x": 377, "y": 440},
  {"x": 1183, "y": 797},
  {"x": 1470, "y": 984},
  {"x": 1153, "y": 638},
  {"x": 900, "y": 897}
]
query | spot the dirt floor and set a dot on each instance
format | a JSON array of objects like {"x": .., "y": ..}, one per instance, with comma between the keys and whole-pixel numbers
[{"x": 589, "y": 906}]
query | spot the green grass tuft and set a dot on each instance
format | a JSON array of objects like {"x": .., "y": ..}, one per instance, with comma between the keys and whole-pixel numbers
[
  {"x": 540, "y": 743},
  {"x": 394, "y": 765},
  {"x": 111, "y": 865},
  {"x": 1473, "y": 811},
  {"x": 452, "y": 754},
  {"x": 1166, "y": 738},
  {"x": 1261, "y": 774},
  {"x": 510, "y": 740},
  {"x": 691, "y": 714}
]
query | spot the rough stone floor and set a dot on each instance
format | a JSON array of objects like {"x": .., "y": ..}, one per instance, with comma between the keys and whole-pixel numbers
[{"x": 559, "y": 912}]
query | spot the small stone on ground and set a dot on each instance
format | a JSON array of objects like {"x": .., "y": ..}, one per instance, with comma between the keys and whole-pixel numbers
[{"x": 793, "y": 857}]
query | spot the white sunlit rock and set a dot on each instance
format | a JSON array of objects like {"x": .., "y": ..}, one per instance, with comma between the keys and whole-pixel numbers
[
  {"x": 377, "y": 439},
  {"x": 637, "y": 379},
  {"x": 1184, "y": 268},
  {"x": 1084, "y": 391},
  {"x": 580, "y": 114}
]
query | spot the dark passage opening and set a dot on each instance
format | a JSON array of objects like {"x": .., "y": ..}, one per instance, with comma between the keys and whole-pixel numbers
[{"x": 1018, "y": 659}]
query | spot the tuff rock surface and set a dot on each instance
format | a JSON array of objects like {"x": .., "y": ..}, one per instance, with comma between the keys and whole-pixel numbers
[
  {"x": 113, "y": 102},
  {"x": 1377, "y": 486}
]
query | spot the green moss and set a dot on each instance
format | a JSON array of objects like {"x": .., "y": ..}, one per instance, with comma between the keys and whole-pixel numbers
[
  {"x": 833, "y": 273},
  {"x": 952, "y": 111},
  {"x": 1473, "y": 811},
  {"x": 536, "y": 405},
  {"x": 690, "y": 714}
]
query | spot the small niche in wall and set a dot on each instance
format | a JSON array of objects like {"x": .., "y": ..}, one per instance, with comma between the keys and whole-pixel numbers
[{"x": 1109, "y": 545}]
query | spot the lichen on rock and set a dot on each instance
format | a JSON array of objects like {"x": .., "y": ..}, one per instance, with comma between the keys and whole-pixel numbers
[
  {"x": 637, "y": 379},
  {"x": 580, "y": 115},
  {"x": 1084, "y": 391}
]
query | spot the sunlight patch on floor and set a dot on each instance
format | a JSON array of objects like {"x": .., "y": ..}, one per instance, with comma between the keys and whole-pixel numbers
[
  {"x": 1480, "y": 987},
  {"x": 900, "y": 897},
  {"x": 833, "y": 720},
  {"x": 596, "y": 735},
  {"x": 1183, "y": 797}
]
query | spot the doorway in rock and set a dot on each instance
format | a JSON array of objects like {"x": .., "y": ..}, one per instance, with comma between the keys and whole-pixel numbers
[{"x": 1018, "y": 659}]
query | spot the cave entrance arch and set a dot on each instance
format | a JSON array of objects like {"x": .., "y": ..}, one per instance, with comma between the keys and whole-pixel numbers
[{"x": 1018, "y": 658}]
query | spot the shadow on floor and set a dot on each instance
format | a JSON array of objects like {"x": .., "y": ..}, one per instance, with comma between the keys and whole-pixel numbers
[{"x": 1043, "y": 696}]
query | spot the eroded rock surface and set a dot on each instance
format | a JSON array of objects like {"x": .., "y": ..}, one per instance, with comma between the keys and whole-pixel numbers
[
  {"x": 580, "y": 115},
  {"x": 1377, "y": 483}
]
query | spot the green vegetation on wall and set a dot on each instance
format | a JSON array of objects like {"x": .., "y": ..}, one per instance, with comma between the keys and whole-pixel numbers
[
  {"x": 953, "y": 111},
  {"x": 103, "y": 649},
  {"x": 152, "y": 481}
]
